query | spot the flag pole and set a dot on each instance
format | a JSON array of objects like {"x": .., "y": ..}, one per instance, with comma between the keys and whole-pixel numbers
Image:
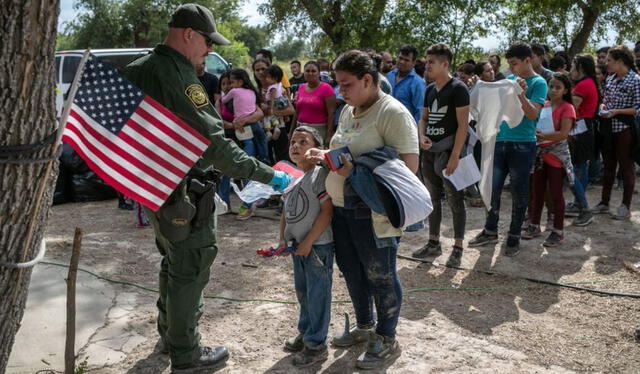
[
  {"x": 72, "y": 94},
  {"x": 45, "y": 179}
]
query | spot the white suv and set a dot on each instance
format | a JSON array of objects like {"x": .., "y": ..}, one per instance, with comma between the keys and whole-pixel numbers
[{"x": 67, "y": 63}]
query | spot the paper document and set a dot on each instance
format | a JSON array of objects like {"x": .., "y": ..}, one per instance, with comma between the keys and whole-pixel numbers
[
  {"x": 581, "y": 126},
  {"x": 466, "y": 173}
]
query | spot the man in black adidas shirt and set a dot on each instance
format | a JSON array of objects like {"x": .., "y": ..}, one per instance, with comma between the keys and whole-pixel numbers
[{"x": 443, "y": 133}]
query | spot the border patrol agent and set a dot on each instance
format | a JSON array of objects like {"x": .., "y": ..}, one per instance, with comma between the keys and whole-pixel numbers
[{"x": 185, "y": 225}]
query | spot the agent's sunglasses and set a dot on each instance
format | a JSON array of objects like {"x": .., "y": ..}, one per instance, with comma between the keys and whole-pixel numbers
[{"x": 207, "y": 40}]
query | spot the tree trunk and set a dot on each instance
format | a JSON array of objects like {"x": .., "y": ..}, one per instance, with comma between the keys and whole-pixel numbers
[
  {"x": 27, "y": 116},
  {"x": 589, "y": 17}
]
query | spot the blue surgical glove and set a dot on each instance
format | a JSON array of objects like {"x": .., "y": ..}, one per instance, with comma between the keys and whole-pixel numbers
[{"x": 280, "y": 180}]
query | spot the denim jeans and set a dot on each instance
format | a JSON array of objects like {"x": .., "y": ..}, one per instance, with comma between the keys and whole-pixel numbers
[
  {"x": 436, "y": 185},
  {"x": 580, "y": 185},
  {"x": 313, "y": 276},
  {"x": 368, "y": 264},
  {"x": 224, "y": 189},
  {"x": 261, "y": 151},
  {"x": 514, "y": 159}
]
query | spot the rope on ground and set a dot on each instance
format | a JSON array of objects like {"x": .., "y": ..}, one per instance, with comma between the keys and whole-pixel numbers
[
  {"x": 535, "y": 280},
  {"x": 287, "y": 302}
]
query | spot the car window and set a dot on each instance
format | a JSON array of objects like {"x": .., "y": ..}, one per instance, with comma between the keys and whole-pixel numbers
[
  {"x": 215, "y": 65},
  {"x": 121, "y": 60},
  {"x": 69, "y": 67}
]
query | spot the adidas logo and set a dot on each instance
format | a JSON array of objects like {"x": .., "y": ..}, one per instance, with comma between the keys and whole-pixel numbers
[{"x": 436, "y": 114}]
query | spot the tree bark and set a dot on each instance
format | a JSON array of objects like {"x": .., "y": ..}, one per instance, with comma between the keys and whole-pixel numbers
[
  {"x": 590, "y": 14},
  {"x": 27, "y": 116}
]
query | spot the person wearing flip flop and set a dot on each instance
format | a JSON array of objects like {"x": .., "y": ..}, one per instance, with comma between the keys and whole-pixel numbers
[
  {"x": 185, "y": 226},
  {"x": 306, "y": 221}
]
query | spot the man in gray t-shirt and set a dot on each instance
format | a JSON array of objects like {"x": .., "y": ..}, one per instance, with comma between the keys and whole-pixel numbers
[{"x": 302, "y": 207}]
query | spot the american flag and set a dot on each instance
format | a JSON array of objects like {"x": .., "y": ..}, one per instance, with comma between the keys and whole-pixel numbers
[{"x": 130, "y": 140}]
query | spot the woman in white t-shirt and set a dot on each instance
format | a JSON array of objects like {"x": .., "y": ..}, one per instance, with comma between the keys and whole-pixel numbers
[{"x": 366, "y": 243}]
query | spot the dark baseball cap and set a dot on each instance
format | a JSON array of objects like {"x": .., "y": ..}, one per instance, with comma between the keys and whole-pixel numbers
[{"x": 200, "y": 19}]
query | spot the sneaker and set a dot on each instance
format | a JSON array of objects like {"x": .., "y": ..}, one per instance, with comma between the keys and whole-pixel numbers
[
  {"x": 209, "y": 358},
  {"x": 294, "y": 344},
  {"x": 379, "y": 351},
  {"x": 621, "y": 213},
  {"x": 585, "y": 218},
  {"x": 308, "y": 356},
  {"x": 513, "y": 246},
  {"x": 355, "y": 336},
  {"x": 455, "y": 258},
  {"x": 475, "y": 202},
  {"x": 571, "y": 210},
  {"x": 245, "y": 212},
  {"x": 432, "y": 248},
  {"x": 553, "y": 239},
  {"x": 601, "y": 208},
  {"x": 532, "y": 231},
  {"x": 484, "y": 238},
  {"x": 350, "y": 336}
]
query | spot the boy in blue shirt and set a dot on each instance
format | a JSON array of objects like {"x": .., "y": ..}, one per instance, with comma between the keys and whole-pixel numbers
[{"x": 515, "y": 151}]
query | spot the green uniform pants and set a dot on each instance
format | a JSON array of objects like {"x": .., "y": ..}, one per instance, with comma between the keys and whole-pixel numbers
[{"x": 184, "y": 273}]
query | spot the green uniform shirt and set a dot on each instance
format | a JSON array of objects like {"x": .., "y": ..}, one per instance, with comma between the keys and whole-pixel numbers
[{"x": 169, "y": 78}]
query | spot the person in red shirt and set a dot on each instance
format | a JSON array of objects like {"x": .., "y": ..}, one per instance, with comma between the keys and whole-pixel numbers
[
  {"x": 585, "y": 96},
  {"x": 553, "y": 162}
]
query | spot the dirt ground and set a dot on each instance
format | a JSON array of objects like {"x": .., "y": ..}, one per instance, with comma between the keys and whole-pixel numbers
[{"x": 451, "y": 321}]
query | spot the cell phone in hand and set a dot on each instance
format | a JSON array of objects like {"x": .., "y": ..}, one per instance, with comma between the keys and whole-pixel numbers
[{"x": 333, "y": 158}]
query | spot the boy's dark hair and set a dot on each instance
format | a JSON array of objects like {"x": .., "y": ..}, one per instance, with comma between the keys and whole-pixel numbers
[
  {"x": 470, "y": 61},
  {"x": 603, "y": 50},
  {"x": 466, "y": 68},
  {"x": 557, "y": 62},
  {"x": 538, "y": 49},
  {"x": 519, "y": 50},
  {"x": 295, "y": 62},
  {"x": 479, "y": 67},
  {"x": 407, "y": 50},
  {"x": 547, "y": 49},
  {"x": 265, "y": 53},
  {"x": 624, "y": 54},
  {"x": 275, "y": 72},
  {"x": 357, "y": 63},
  {"x": 311, "y": 131},
  {"x": 441, "y": 50}
]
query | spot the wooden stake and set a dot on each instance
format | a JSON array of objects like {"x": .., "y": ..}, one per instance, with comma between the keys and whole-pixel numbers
[{"x": 69, "y": 349}]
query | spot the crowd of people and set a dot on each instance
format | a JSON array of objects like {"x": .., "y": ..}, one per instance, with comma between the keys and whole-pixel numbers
[
  {"x": 578, "y": 129},
  {"x": 572, "y": 122}
]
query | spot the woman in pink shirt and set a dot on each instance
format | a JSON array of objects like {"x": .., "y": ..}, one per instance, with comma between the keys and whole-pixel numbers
[{"x": 316, "y": 103}]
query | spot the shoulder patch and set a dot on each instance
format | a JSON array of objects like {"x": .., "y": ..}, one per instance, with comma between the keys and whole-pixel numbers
[{"x": 196, "y": 94}]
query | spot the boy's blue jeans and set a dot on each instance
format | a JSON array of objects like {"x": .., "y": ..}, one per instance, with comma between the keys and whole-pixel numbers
[
  {"x": 368, "y": 264},
  {"x": 514, "y": 159},
  {"x": 581, "y": 171},
  {"x": 261, "y": 151},
  {"x": 313, "y": 277}
]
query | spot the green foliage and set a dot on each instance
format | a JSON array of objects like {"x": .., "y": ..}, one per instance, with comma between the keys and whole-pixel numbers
[
  {"x": 82, "y": 367},
  {"x": 288, "y": 49},
  {"x": 568, "y": 24},
  {"x": 254, "y": 37},
  {"x": 235, "y": 53},
  {"x": 132, "y": 23}
]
